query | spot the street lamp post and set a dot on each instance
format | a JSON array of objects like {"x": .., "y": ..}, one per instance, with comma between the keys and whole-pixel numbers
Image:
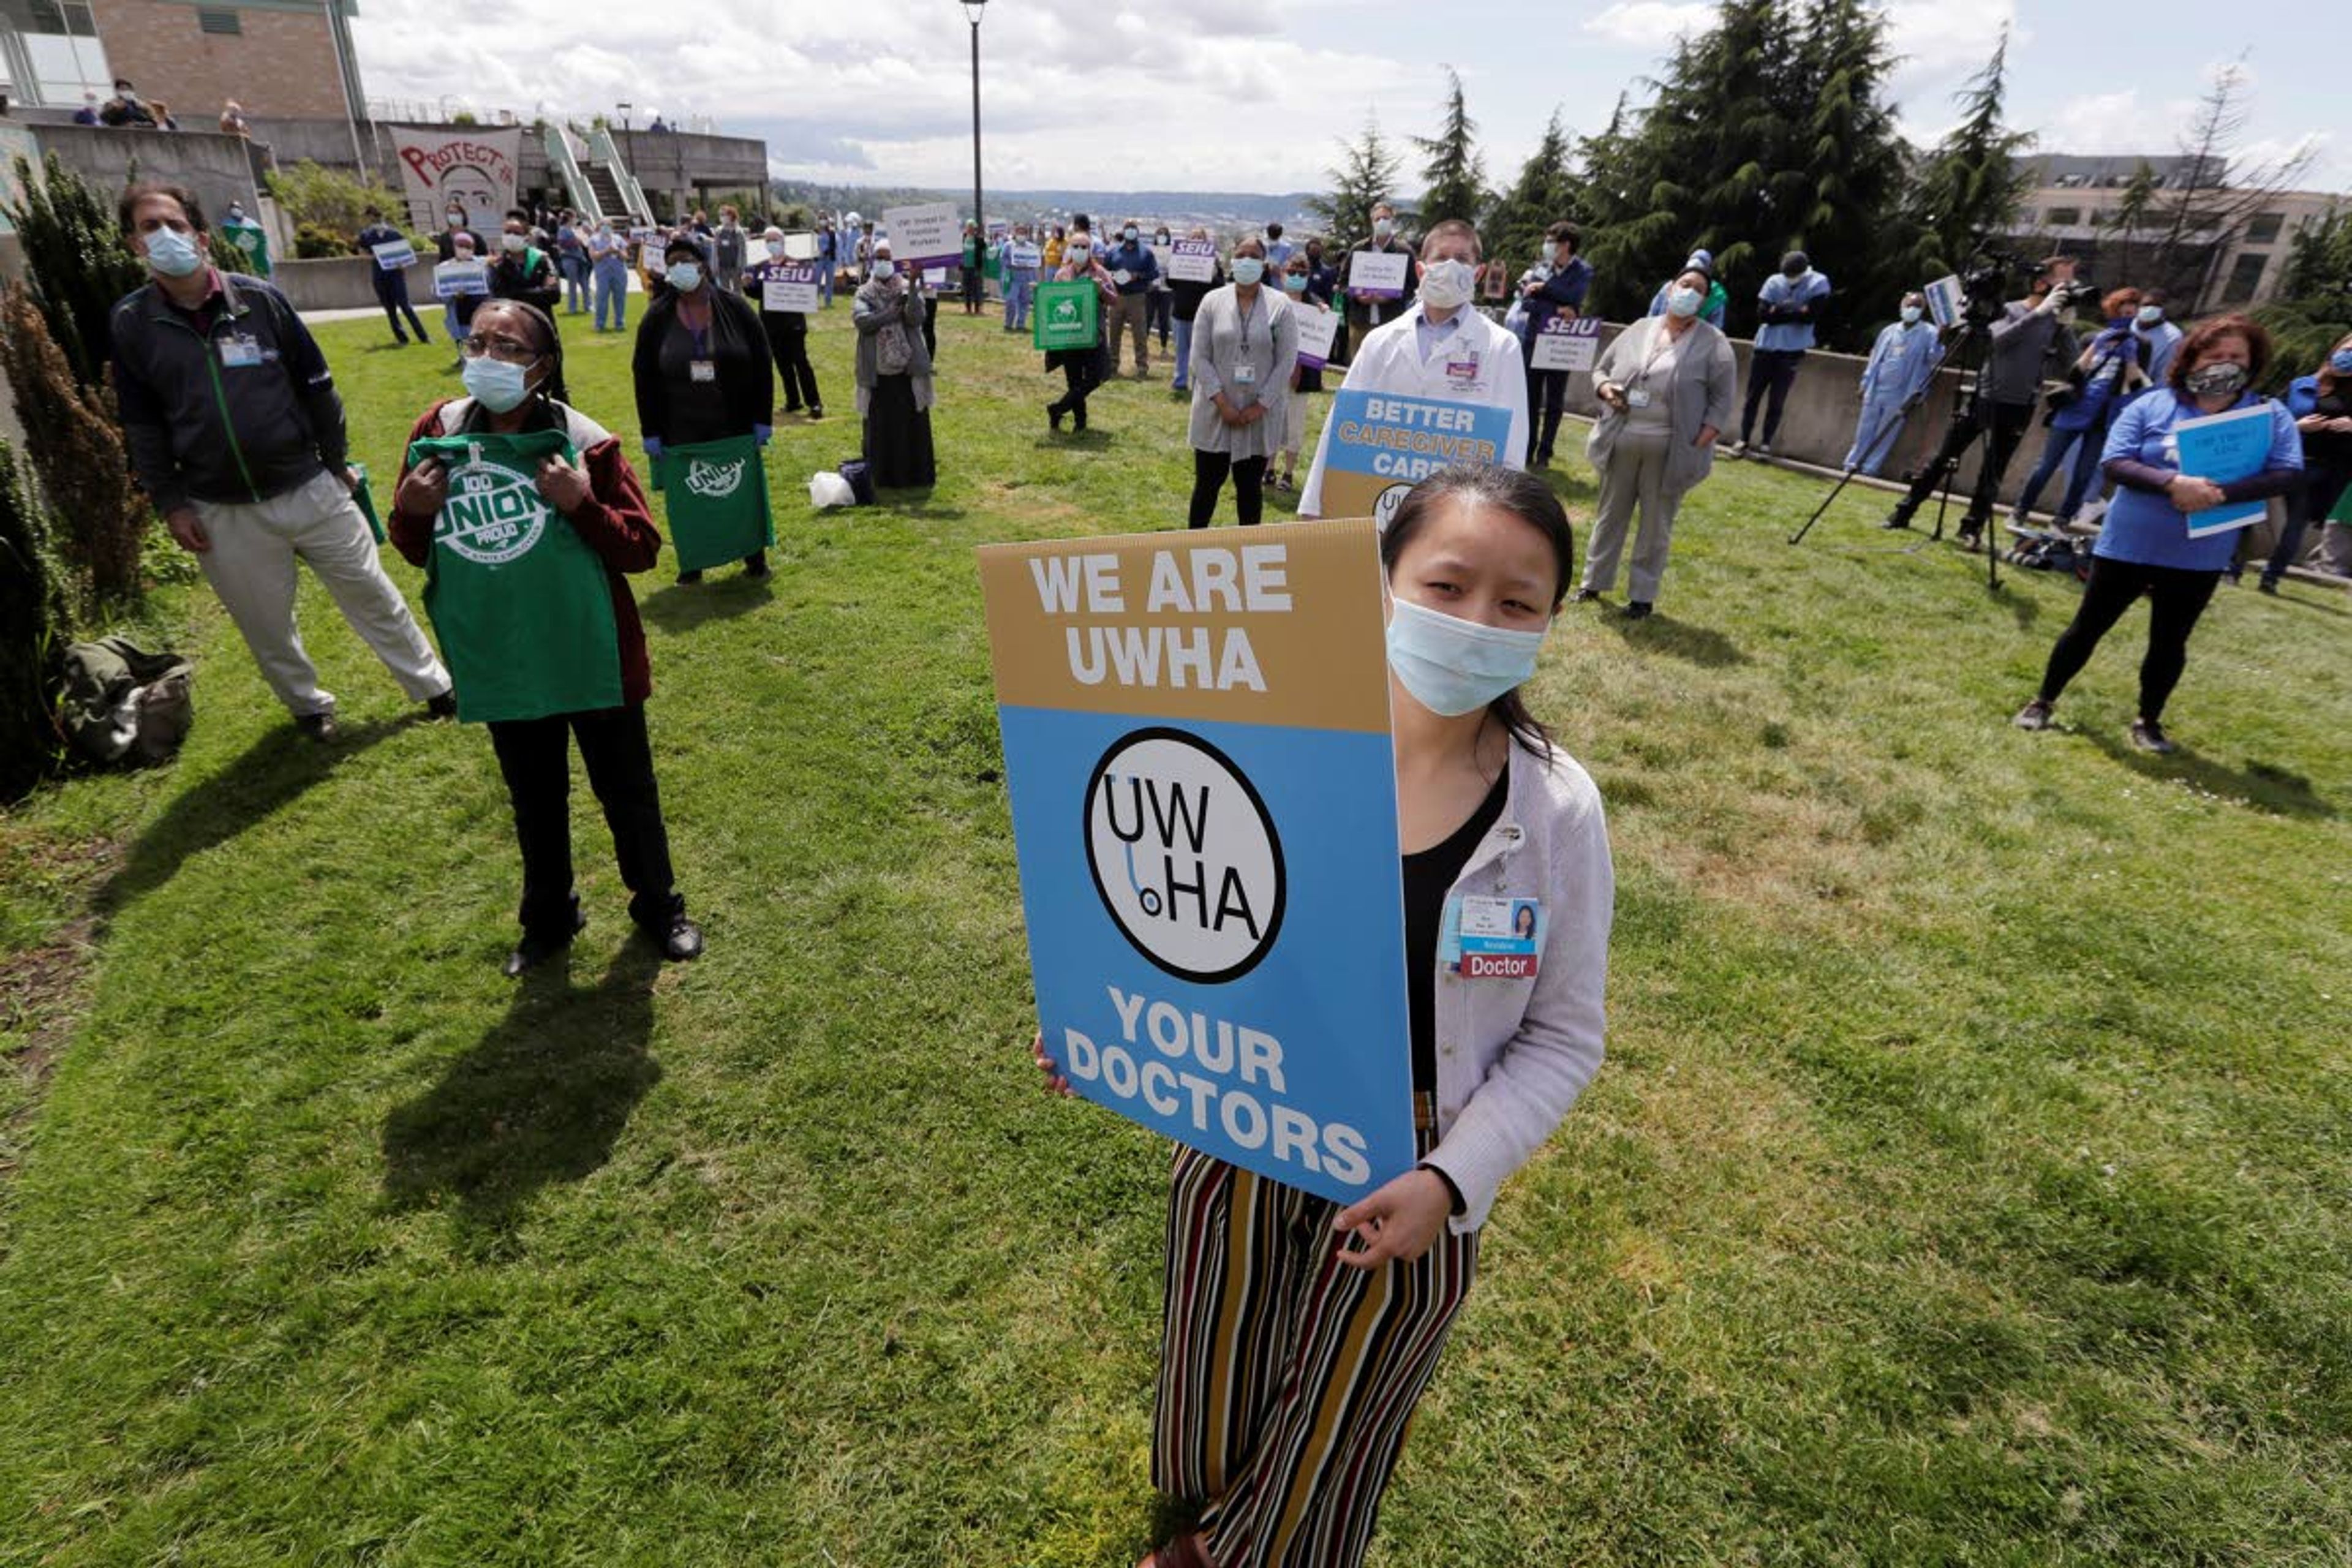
[
  {"x": 624, "y": 109},
  {"x": 972, "y": 9}
]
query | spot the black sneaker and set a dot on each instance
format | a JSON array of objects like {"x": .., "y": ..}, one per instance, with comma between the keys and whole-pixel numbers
[
  {"x": 816, "y": 411},
  {"x": 536, "y": 947},
  {"x": 689, "y": 578},
  {"x": 1638, "y": 610},
  {"x": 319, "y": 727},
  {"x": 1584, "y": 595},
  {"x": 2034, "y": 715},
  {"x": 1896, "y": 519},
  {"x": 2149, "y": 736},
  {"x": 757, "y": 566},
  {"x": 1054, "y": 416},
  {"x": 442, "y": 705},
  {"x": 679, "y": 940}
]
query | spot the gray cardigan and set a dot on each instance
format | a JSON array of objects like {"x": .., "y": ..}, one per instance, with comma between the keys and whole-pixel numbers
[
  {"x": 1706, "y": 385},
  {"x": 1222, "y": 342},
  {"x": 1513, "y": 1055},
  {"x": 871, "y": 312}
]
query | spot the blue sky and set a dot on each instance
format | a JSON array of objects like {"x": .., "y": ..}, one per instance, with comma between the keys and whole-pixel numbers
[{"x": 1252, "y": 94}]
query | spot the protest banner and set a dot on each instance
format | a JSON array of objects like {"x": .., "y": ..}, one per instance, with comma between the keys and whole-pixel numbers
[
  {"x": 518, "y": 601},
  {"x": 800, "y": 246},
  {"x": 1491, "y": 280},
  {"x": 393, "y": 256},
  {"x": 1944, "y": 299},
  {"x": 1563, "y": 344},
  {"x": 473, "y": 169},
  {"x": 454, "y": 279},
  {"x": 927, "y": 236},
  {"x": 1192, "y": 262},
  {"x": 790, "y": 287},
  {"x": 1021, "y": 254},
  {"x": 1378, "y": 273},
  {"x": 1068, "y": 315},
  {"x": 1203, "y": 793},
  {"x": 716, "y": 493},
  {"x": 1317, "y": 329},
  {"x": 1162, "y": 255},
  {"x": 2234, "y": 445},
  {"x": 1379, "y": 445}
]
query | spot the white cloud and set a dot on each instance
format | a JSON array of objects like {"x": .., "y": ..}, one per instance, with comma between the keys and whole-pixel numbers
[{"x": 1651, "y": 24}]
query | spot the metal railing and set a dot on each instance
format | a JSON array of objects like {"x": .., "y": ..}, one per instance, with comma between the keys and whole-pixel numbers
[
  {"x": 601, "y": 149},
  {"x": 557, "y": 140}
]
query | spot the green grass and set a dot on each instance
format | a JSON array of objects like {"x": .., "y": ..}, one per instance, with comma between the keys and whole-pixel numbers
[{"x": 1967, "y": 1182}]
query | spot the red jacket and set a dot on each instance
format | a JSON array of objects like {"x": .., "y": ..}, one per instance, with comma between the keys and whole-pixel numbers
[{"x": 614, "y": 520}]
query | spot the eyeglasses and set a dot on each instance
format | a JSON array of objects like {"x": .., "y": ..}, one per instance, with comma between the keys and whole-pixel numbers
[{"x": 512, "y": 351}]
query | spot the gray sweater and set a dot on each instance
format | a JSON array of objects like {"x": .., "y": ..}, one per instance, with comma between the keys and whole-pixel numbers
[
  {"x": 2029, "y": 347},
  {"x": 1705, "y": 387}
]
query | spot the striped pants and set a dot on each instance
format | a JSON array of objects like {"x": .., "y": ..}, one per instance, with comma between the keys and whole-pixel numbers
[{"x": 1287, "y": 1379}]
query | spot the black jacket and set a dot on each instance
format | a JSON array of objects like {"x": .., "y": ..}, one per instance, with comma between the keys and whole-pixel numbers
[
  {"x": 203, "y": 430},
  {"x": 746, "y": 373}
]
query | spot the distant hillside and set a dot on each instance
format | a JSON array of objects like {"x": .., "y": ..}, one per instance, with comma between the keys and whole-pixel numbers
[{"x": 1226, "y": 206}]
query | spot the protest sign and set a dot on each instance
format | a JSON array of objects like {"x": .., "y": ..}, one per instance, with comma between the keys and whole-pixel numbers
[
  {"x": 1203, "y": 793},
  {"x": 1562, "y": 344},
  {"x": 1021, "y": 254},
  {"x": 1317, "y": 329},
  {"x": 1192, "y": 262},
  {"x": 1068, "y": 315},
  {"x": 1378, "y": 273},
  {"x": 394, "y": 255},
  {"x": 1161, "y": 257},
  {"x": 716, "y": 493},
  {"x": 1944, "y": 299},
  {"x": 935, "y": 277},
  {"x": 520, "y": 601},
  {"x": 790, "y": 287},
  {"x": 469, "y": 168},
  {"x": 2222, "y": 447},
  {"x": 454, "y": 279},
  {"x": 800, "y": 246},
  {"x": 1492, "y": 279},
  {"x": 927, "y": 236},
  {"x": 1377, "y": 445}
]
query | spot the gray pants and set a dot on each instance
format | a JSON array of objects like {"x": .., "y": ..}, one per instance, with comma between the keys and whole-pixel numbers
[
  {"x": 1636, "y": 473},
  {"x": 1127, "y": 319}
]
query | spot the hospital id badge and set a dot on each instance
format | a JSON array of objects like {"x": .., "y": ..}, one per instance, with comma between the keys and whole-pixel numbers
[
  {"x": 1244, "y": 375},
  {"x": 702, "y": 370},
  {"x": 1637, "y": 397},
  {"x": 237, "y": 353},
  {"x": 1462, "y": 372},
  {"x": 1492, "y": 938}
]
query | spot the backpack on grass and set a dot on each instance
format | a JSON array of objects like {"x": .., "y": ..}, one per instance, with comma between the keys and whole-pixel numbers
[{"x": 122, "y": 704}]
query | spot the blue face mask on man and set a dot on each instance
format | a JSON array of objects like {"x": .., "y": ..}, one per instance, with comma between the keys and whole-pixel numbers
[
  {"x": 1452, "y": 666},
  {"x": 2340, "y": 361},
  {"x": 171, "y": 253}
]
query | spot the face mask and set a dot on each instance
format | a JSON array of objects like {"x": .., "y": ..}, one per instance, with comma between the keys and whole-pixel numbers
[
  {"x": 497, "y": 385},
  {"x": 1077, "y": 256},
  {"x": 2340, "y": 361},
  {"x": 1382, "y": 228},
  {"x": 1910, "y": 314},
  {"x": 776, "y": 249},
  {"x": 171, "y": 253},
  {"x": 514, "y": 243},
  {"x": 1684, "y": 302},
  {"x": 684, "y": 277},
  {"x": 1446, "y": 284},
  {"x": 2220, "y": 380},
  {"x": 1295, "y": 282},
  {"x": 2151, "y": 314},
  {"x": 1791, "y": 269},
  {"x": 1159, "y": 238},
  {"x": 884, "y": 268},
  {"x": 1127, "y": 234},
  {"x": 1248, "y": 268},
  {"x": 1454, "y": 667},
  {"x": 456, "y": 220}
]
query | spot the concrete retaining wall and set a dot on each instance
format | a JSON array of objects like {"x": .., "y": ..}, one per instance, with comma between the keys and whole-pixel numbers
[
  {"x": 348, "y": 282},
  {"x": 218, "y": 168}
]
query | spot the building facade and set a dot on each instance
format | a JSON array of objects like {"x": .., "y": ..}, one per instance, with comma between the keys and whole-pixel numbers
[{"x": 290, "y": 58}]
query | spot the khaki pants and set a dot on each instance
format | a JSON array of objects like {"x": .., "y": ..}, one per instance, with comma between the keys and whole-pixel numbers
[
  {"x": 251, "y": 566},
  {"x": 1636, "y": 474},
  {"x": 1127, "y": 319}
]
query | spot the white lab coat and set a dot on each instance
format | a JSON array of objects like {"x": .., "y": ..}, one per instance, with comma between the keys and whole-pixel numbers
[{"x": 1388, "y": 360}]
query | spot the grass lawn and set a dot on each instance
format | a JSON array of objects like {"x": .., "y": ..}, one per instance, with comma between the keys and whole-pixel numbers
[{"x": 1970, "y": 1181}]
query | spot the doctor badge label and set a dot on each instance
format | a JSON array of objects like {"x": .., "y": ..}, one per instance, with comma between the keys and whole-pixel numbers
[{"x": 1184, "y": 855}]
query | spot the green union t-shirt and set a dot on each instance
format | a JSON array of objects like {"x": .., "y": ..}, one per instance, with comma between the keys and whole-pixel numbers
[
  {"x": 520, "y": 600},
  {"x": 717, "y": 494}
]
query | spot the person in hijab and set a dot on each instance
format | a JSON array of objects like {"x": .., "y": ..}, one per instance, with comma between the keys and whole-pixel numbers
[{"x": 894, "y": 375}]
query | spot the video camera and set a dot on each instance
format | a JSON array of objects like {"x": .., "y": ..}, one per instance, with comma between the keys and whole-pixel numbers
[{"x": 1984, "y": 285}]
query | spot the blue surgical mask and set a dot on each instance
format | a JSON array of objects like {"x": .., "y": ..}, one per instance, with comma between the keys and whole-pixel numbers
[
  {"x": 2151, "y": 314},
  {"x": 1295, "y": 282},
  {"x": 883, "y": 268},
  {"x": 1910, "y": 314},
  {"x": 684, "y": 277},
  {"x": 1454, "y": 667},
  {"x": 496, "y": 385},
  {"x": 1684, "y": 302},
  {"x": 2340, "y": 361},
  {"x": 1248, "y": 268},
  {"x": 171, "y": 253}
]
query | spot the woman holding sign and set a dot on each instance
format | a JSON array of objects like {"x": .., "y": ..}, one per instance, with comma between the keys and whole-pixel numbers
[
  {"x": 705, "y": 384},
  {"x": 894, "y": 375},
  {"x": 1244, "y": 346},
  {"x": 1305, "y": 375},
  {"x": 524, "y": 582},
  {"x": 1082, "y": 368},
  {"x": 786, "y": 289},
  {"x": 2154, "y": 540},
  {"x": 1297, "y": 1336}
]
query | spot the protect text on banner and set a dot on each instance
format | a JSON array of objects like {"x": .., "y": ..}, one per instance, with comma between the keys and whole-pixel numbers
[
  {"x": 1203, "y": 788},
  {"x": 1380, "y": 445},
  {"x": 476, "y": 169}
]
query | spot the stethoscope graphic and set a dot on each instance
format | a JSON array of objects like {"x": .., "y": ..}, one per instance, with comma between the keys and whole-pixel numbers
[{"x": 1147, "y": 897}]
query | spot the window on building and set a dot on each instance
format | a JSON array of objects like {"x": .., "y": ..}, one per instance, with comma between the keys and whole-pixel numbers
[
  {"x": 224, "y": 22},
  {"x": 2065, "y": 217},
  {"x": 2245, "y": 276},
  {"x": 2263, "y": 228},
  {"x": 63, "y": 54}
]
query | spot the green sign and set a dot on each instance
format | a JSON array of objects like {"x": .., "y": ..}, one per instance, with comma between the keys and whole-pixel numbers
[
  {"x": 717, "y": 500},
  {"x": 1066, "y": 315}
]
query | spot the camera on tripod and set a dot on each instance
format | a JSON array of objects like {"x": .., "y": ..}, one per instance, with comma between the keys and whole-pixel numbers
[{"x": 1984, "y": 286}]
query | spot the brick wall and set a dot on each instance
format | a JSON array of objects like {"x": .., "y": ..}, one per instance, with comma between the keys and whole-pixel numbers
[{"x": 282, "y": 64}]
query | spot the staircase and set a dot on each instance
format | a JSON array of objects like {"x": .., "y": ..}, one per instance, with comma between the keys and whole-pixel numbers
[
  {"x": 613, "y": 186},
  {"x": 606, "y": 189}
]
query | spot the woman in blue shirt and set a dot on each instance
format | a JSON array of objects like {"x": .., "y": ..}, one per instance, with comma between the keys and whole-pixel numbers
[
  {"x": 2111, "y": 371},
  {"x": 2146, "y": 545}
]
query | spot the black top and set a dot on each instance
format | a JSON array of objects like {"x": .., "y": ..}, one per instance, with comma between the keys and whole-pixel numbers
[
  {"x": 1429, "y": 877},
  {"x": 676, "y": 408},
  {"x": 2326, "y": 448}
]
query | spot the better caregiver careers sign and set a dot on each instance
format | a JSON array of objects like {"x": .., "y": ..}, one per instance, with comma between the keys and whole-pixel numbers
[{"x": 1196, "y": 741}]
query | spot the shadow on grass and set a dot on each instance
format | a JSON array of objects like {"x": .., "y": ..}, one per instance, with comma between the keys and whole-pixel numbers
[
  {"x": 540, "y": 1099},
  {"x": 1702, "y": 645},
  {"x": 271, "y": 772},
  {"x": 681, "y": 607},
  {"x": 1088, "y": 440},
  {"x": 2258, "y": 783}
]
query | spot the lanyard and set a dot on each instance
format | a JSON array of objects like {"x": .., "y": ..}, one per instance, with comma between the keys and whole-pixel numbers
[{"x": 1658, "y": 345}]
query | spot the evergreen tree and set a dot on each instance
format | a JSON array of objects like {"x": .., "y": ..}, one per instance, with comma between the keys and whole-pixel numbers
[
  {"x": 1546, "y": 192},
  {"x": 1366, "y": 177},
  {"x": 75, "y": 264},
  {"x": 1854, "y": 169},
  {"x": 1455, "y": 169},
  {"x": 1970, "y": 187},
  {"x": 2313, "y": 311},
  {"x": 2133, "y": 211}
]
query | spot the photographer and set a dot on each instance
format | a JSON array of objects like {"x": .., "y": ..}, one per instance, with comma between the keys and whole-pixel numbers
[{"x": 2030, "y": 343}]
